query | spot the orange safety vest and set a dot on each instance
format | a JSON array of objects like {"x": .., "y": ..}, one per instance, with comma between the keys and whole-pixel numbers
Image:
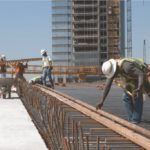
[{"x": 19, "y": 69}]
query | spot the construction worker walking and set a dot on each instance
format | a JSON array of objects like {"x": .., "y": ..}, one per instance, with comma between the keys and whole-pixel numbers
[
  {"x": 3, "y": 66},
  {"x": 47, "y": 68},
  {"x": 133, "y": 73}
]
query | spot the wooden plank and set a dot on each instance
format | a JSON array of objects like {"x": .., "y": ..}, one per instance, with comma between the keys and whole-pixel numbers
[
  {"x": 111, "y": 117},
  {"x": 124, "y": 131}
]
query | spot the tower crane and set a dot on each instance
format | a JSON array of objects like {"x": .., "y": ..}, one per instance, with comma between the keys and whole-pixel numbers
[{"x": 129, "y": 27}]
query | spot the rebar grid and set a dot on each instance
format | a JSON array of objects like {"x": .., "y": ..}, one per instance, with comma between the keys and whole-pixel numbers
[{"x": 65, "y": 128}]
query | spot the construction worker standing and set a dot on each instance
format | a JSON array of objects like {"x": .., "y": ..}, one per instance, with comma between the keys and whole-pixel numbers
[
  {"x": 3, "y": 66},
  {"x": 19, "y": 71},
  {"x": 47, "y": 68},
  {"x": 134, "y": 74}
]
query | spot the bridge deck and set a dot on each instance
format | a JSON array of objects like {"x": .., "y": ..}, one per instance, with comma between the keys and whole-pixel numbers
[
  {"x": 17, "y": 129},
  {"x": 17, "y": 132},
  {"x": 113, "y": 104}
]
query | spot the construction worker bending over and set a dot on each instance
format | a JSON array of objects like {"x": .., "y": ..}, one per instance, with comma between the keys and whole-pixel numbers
[
  {"x": 20, "y": 69},
  {"x": 36, "y": 80},
  {"x": 47, "y": 68},
  {"x": 134, "y": 74},
  {"x": 3, "y": 66}
]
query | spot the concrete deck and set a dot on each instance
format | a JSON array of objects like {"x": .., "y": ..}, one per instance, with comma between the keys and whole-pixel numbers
[
  {"x": 113, "y": 104},
  {"x": 17, "y": 131}
]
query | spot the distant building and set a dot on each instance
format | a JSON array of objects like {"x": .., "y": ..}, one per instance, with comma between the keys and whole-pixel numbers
[
  {"x": 87, "y": 32},
  {"x": 62, "y": 32}
]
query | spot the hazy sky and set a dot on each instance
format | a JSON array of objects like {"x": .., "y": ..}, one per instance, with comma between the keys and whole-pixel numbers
[
  {"x": 141, "y": 27},
  {"x": 25, "y": 27}
]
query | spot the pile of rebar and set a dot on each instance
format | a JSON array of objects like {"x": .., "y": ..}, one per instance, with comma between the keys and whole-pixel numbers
[{"x": 66, "y": 123}]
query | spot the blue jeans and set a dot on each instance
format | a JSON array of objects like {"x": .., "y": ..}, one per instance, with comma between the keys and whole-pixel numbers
[
  {"x": 47, "y": 73},
  {"x": 134, "y": 108},
  {"x": 3, "y": 75}
]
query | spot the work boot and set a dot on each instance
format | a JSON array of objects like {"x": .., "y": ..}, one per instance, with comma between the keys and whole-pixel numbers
[{"x": 9, "y": 95}]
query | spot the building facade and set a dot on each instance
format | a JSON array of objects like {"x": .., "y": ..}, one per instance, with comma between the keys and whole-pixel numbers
[
  {"x": 87, "y": 32},
  {"x": 62, "y": 32}
]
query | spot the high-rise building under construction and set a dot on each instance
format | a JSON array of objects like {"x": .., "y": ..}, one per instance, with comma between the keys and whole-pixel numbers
[{"x": 87, "y": 32}]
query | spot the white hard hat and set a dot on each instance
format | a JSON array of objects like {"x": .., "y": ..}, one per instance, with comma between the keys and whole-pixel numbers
[
  {"x": 43, "y": 51},
  {"x": 109, "y": 68},
  {"x": 3, "y": 56}
]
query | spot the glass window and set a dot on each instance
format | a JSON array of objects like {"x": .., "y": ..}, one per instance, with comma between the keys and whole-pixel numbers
[
  {"x": 61, "y": 23},
  {"x": 103, "y": 25},
  {"x": 103, "y": 41},
  {"x": 62, "y": 45},
  {"x": 102, "y": 10},
  {"x": 60, "y": 56},
  {"x": 60, "y": 26},
  {"x": 61, "y": 41},
  {"x": 61, "y": 11},
  {"x": 103, "y": 33},
  {"x": 104, "y": 55},
  {"x": 61, "y": 3},
  {"x": 103, "y": 48},
  {"x": 61, "y": 18},
  {"x": 61, "y": 34},
  {"x": 103, "y": 2},
  {"x": 61, "y": 49},
  {"x": 103, "y": 18}
]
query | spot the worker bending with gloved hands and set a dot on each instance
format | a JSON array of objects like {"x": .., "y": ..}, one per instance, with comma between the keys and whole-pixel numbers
[{"x": 133, "y": 73}]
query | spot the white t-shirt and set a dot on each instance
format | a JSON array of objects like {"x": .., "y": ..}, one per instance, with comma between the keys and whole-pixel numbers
[{"x": 47, "y": 61}]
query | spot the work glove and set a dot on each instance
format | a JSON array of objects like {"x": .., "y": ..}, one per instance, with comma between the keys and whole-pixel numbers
[
  {"x": 136, "y": 93},
  {"x": 99, "y": 105}
]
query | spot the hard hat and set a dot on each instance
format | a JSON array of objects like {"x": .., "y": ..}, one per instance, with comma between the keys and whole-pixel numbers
[
  {"x": 43, "y": 51},
  {"x": 109, "y": 68},
  {"x": 3, "y": 56}
]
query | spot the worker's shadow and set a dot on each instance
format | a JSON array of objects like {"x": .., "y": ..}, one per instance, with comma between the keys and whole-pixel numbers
[
  {"x": 15, "y": 98},
  {"x": 12, "y": 98},
  {"x": 145, "y": 121}
]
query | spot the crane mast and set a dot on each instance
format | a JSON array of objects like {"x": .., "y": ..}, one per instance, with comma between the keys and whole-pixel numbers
[{"x": 129, "y": 28}]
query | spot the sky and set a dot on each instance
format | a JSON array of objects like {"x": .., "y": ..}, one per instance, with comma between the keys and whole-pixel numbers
[
  {"x": 141, "y": 28},
  {"x": 25, "y": 28}
]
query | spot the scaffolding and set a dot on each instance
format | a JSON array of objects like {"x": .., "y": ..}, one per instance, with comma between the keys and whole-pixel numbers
[
  {"x": 113, "y": 28},
  {"x": 96, "y": 31},
  {"x": 85, "y": 32},
  {"x": 103, "y": 40},
  {"x": 129, "y": 28}
]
